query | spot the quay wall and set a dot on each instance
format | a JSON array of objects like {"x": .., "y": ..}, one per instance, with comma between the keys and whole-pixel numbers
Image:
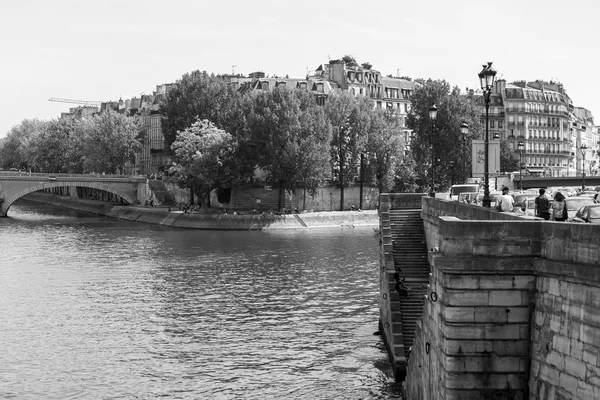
[
  {"x": 214, "y": 221},
  {"x": 516, "y": 310}
]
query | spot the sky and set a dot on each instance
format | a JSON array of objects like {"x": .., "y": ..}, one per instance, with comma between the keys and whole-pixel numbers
[{"x": 106, "y": 50}]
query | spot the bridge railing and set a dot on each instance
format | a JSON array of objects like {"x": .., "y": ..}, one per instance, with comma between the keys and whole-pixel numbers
[{"x": 64, "y": 175}]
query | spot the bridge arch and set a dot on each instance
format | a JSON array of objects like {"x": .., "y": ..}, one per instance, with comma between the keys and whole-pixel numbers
[{"x": 128, "y": 196}]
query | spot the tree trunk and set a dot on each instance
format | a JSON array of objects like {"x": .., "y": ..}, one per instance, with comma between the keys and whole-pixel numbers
[
  {"x": 281, "y": 190},
  {"x": 202, "y": 198}
]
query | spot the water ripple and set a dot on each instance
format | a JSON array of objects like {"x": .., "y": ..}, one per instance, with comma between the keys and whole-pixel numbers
[{"x": 97, "y": 308}]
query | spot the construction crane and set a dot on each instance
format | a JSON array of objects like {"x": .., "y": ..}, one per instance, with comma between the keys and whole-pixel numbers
[{"x": 80, "y": 102}]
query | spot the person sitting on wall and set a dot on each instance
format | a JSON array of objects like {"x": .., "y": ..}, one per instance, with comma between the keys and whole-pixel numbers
[{"x": 505, "y": 202}]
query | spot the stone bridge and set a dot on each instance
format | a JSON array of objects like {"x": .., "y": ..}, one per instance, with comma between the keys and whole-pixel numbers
[{"x": 14, "y": 185}]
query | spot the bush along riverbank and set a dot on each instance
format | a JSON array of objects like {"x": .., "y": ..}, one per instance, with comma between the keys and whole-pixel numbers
[{"x": 214, "y": 221}]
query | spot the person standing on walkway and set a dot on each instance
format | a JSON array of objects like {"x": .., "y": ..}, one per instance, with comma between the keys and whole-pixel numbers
[
  {"x": 542, "y": 205},
  {"x": 559, "y": 207}
]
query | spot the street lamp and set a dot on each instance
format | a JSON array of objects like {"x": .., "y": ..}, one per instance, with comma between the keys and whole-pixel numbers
[
  {"x": 486, "y": 78},
  {"x": 464, "y": 129},
  {"x": 521, "y": 147},
  {"x": 432, "y": 115},
  {"x": 583, "y": 151}
]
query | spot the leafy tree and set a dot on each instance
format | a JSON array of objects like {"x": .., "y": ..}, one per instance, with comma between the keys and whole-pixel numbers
[
  {"x": 196, "y": 96},
  {"x": 204, "y": 155},
  {"x": 292, "y": 134},
  {"x": 59, "y": 147},
  {"x": 18, "y": 149},
  {"x": 440, "y": 141},
  {"x": 111, "y": 140},
  {"x": 349, "y": 60},
  {"x": 385, "y": 147},
  {"x": 349, "y": 118},
  {"x": 509, "y": 158}
]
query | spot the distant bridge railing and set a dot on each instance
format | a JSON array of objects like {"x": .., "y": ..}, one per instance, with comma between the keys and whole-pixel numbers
[{"x": 64, "y": 176}]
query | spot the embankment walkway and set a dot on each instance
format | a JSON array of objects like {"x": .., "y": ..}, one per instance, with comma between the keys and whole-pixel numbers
[{"x": 215, "y": 221}]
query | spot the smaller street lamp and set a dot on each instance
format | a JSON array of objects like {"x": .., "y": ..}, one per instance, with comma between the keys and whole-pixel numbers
[
  {"x": 432, "y": 116},
  {"x": 583, "y": 151},
  {"x": 464, "y": 129},
  {"x": 521, "y": 146}
]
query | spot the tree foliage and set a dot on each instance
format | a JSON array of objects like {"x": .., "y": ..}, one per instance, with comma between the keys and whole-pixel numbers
[
  {"x": 293, "y": 137},
  {"x": 111, "y": 140},
  {"x": 440, "y": 142},
  {"x": 204, "y": 159},
  {"x": 509, "y": 158},
  {"x": 196, "y": 96},
  {"x": 19, "y": 147},
  {"x": 385, "y": 147},
  {"x": 349, "y": 117},
  {"x": 59, "y": 146}
]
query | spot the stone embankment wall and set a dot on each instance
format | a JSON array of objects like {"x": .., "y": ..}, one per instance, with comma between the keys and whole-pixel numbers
[
  {"x": 265, "y": 198},
  {"x": 214, "y": 221},
  {"x": 514, "y": 308}
]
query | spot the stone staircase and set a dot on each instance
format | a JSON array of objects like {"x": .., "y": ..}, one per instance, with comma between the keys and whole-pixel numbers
[
  {"x": 408, "y": 284},
  {"x": 160, "y": 191}
]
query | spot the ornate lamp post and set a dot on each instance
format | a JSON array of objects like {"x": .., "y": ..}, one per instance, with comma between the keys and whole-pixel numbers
[
  {"x": 464, "y": 129},
  {"x": 583, "y": 151},
  {"x": 486, "y": 78},
  {"x": 432, "y": 116},
  {"x": 521, "y": 146}
]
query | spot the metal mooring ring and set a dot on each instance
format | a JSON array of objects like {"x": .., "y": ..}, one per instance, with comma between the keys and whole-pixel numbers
[
  {"x": 385, "y": 295},
  {"x": 427, "y": 347},
  {"x": 433, "y": 296},
  {"x": 386, "y": 325}
]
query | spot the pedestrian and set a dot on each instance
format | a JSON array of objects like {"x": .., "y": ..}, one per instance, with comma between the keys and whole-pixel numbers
[
  {"x": 542, "y": 205},
  {"x": 505, "y": 201},
  {"x": 559, "y": 208}
]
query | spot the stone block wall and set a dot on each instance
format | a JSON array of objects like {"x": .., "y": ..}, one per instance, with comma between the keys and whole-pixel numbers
[
  {"x": 473, "y": 339},
  {"x": 516, "y": 312},
  {"x": 565, "y": 353}
]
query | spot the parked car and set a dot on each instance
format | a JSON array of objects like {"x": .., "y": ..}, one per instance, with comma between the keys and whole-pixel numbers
[
  {"x": 456, "y": 190},
  {"x": 565, "y": 191},
  {"x": 493, "y": 196},
  {"x": 529, "y": 206},
  {"x": 589, "y": 214},
  {"x": 468, "y": 197},
  {"x": 521, "y": 198},
  {"x": 575, "y": 203},
  {"x": 588, "y": 193}
]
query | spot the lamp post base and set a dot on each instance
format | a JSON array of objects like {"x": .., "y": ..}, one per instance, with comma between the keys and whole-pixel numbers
[{"x": 486, "y": 201}]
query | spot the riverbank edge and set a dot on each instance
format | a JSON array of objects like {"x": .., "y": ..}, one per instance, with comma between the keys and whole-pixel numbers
[{"x": 216, "y": 221}]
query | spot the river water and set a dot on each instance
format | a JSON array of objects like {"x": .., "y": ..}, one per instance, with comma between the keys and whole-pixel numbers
[{"x": 97, "y": 308}]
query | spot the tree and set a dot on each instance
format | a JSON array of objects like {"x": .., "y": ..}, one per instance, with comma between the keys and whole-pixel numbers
[
  {"x": 349, "y": 118},
  {"x": 59, "y": 147},
  {"x": 440, "y": 142},
  {"x": 196, "y": 96},
  {"x": 293, "y": 136},
  {"x": 385, "y": 147},
  {"x": 111, "y": 140},
  {"x": 18, "y": 149},
  {"x": 204, "y": 155},
  {"x": 509, "y": 158}
]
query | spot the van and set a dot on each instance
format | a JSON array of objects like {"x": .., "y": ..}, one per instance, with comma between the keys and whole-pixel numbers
[{"x": 456, "y": 190}]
